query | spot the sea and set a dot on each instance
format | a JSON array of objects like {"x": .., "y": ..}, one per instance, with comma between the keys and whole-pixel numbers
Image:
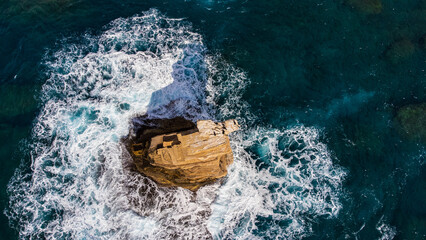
[{"x": 328, "y": 94}]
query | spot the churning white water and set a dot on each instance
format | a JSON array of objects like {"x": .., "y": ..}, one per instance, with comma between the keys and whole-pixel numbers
[{"x": 81, "y": 184}]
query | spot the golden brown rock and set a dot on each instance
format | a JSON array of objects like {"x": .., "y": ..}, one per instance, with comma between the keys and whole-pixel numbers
[{"x": 189, "y": 158}]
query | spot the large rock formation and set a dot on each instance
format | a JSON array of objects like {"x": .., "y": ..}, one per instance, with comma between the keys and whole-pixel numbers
[{"x": 176, "y": 152}]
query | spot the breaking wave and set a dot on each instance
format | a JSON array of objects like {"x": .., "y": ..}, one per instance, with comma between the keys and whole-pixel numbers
[{"x": 81, "y": 184}]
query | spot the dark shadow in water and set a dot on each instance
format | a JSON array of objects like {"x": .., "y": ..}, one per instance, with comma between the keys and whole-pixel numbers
[
  {"x": 177, "y": 106},
  {"x": 185, "y": 96}
]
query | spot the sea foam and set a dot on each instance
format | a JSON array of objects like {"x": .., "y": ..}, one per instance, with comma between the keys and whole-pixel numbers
[
  {"x": 81, "y": 184},
  {"x": 281, "y": 182}
]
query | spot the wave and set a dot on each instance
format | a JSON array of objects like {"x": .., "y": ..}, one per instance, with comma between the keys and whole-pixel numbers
[{"x": 81, "y": 184}]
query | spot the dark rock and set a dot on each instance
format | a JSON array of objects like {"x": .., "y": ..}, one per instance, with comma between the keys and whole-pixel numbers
[
  {"x": 400, "y": 51},
  {"x": 411, "y": 121}
]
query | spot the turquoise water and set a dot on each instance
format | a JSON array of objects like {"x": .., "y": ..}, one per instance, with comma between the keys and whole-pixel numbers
[{"x": 317, "y": 87}]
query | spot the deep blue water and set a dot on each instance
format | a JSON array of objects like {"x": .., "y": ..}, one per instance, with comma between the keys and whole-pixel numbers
[{"x": 310, "y": 80}]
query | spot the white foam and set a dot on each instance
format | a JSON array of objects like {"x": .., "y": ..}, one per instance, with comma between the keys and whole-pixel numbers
[
  {"x": 297, "y": 180},
  {"x": 81, "y": 185},
  {"x": 387, "y": 232}
]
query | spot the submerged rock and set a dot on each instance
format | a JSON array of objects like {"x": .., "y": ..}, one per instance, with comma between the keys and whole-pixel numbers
[
  {"x": 177, "y": 152},
  {"x": 400, "y": 50},
  {"x": 366, "y": 6},
  {"x": 411, "y": 120}
]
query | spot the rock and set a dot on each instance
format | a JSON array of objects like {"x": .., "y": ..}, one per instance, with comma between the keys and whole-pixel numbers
[
  {"x": 411, "y": 121},
  {"x": 367, "y": 6},
  {"x": 400, "y": 50},
  {"x": 175, "y": 152}
]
